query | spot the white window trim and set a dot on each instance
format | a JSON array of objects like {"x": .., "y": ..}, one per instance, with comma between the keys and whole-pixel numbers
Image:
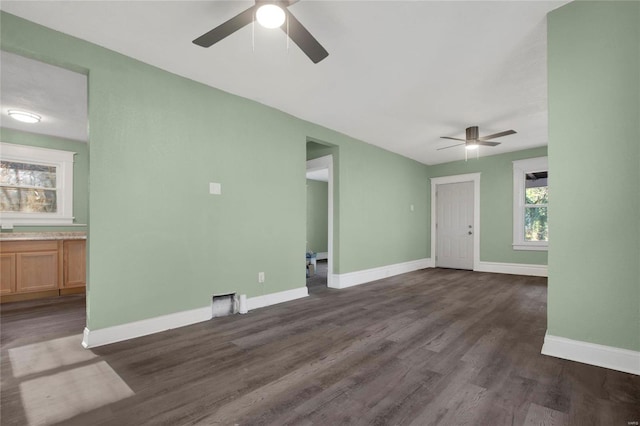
[
  {"x": 520, "y": 170},
  {"x": 63, "y": 161}
]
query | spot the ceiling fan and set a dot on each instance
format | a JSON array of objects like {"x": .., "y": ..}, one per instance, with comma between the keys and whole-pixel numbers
[
  {"x": 472, "y": 140},
  {"x": 270, "y": 14}
]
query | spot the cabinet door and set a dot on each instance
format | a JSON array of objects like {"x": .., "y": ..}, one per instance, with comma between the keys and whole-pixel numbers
[
  {"x": 7, "y": 273},
  {"x": 75, "y": 262},
  {"x": 37, "y": 271}
]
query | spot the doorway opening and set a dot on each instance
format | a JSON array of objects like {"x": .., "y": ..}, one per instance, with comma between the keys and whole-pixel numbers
[
  {"x": 319, "y": 236},
  {"x": 46, "y": 189}
]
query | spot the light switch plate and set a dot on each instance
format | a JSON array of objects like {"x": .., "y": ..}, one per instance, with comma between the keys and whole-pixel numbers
[{"x": 215, "y": 188}]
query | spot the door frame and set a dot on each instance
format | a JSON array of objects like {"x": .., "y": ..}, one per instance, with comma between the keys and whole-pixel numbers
[
  {"x": 321, "y": 163},
  {"x": 469, "y": 177}
]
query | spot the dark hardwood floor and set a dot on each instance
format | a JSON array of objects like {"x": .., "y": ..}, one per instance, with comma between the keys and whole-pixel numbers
[{"x": 436, "y": 346}]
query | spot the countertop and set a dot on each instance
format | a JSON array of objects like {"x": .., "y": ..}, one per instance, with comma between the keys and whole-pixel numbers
[{"x": 39, "y": 236}]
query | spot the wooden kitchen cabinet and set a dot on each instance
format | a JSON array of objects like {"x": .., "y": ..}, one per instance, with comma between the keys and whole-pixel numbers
[
  {"x": 75, "y": 263},
  {"x": 36, "y": 271},
  {"x": 7, "y": 273},
  {"x": 33, "y": 269}
]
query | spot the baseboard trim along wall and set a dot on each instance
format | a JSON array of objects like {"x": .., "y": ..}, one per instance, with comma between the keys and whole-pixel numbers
[
  {"x": 118, "y": 333},
  {"x": 512, "y": 268},
  {"x": 275, "y": 298},
  {"x": 590, "y": 353},
  {"x": 367, "y": 275}
]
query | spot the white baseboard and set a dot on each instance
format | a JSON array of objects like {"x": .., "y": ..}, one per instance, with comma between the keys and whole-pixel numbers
[
  {"x": 590, "y": 353},
  {"x": 118, "y": 333},
  {"x": 367, "y": 275},
  {"x": 275, "y": 298},
  {"x": 322, "y": 255},
  {"x": 512, "y": 268},
  {"x": 131, "y": 330}
]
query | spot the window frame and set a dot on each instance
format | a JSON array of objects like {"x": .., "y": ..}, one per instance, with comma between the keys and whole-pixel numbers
[
  {"x": 63, "y": 162},
  {"x": 520, "y": 170}
]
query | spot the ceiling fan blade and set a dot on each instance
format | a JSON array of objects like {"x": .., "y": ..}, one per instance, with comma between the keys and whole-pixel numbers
[
  {"x": 303, "y": 38},
  {"x": 453, "y": 139},
  {"x": 227, "y": 28},
  {"x": 447, "y": 147},
  {"x": 498, "y": 135},
  {"x": 487, "y": 143}
]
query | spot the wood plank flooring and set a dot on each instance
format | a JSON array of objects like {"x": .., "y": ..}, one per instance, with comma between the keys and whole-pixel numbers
[{"x": 432, "y": 347}]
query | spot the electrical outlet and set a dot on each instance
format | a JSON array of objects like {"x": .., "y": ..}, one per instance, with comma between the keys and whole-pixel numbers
[{"x": 260, "y": 277}]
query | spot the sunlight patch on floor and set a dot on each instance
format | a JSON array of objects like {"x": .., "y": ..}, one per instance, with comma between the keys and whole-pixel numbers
[
  {"x": 57, "y": 397},
  {"x": 45, "y": 356}
]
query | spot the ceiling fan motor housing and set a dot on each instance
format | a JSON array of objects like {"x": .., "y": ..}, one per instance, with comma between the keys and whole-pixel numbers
[{"x": 472, "y": 133}]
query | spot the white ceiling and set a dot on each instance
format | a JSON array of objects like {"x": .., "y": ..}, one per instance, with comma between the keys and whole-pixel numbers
[
  {"x": 58, "y": 95},
  {"x": 399, "y": 75},
  {"x": 321, "y": 175}
]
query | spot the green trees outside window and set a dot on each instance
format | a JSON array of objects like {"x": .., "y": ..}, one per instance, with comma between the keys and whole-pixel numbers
[{"x": 536, "y": 226}]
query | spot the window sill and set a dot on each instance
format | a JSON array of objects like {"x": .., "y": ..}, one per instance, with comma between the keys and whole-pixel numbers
[
  {"x": 9, "y": 222},
  {"x": 531, "y": 247}
]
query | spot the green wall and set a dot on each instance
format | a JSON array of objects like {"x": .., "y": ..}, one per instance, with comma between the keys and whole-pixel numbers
[
  {"x": 317, "y": 216},
  {"x": 496, "y": 204},
  {"x": 594, "y": 154},
  {"x": 159, "y": 243},
  {"x": 377, "y": 226},
  {"x": 80, "y": 174}
]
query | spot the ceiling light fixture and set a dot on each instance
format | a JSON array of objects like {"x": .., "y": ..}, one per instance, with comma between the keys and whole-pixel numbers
[
  {"x": 24, "y": 116},
  {"x": 471, "y": 146},
  {"x": 270, "y": 16}
]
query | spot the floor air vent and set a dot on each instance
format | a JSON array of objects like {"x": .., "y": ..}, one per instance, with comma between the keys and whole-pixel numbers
[{"x": 224, "y": 304}]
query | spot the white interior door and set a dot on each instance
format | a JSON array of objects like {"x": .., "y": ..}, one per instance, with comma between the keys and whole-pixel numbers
[{"x": 454, "y": 225}]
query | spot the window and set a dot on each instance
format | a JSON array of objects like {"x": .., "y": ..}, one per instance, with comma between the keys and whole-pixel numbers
[
  {"x": 36, "y": 186},
  {"x": 530, "y": 204}
]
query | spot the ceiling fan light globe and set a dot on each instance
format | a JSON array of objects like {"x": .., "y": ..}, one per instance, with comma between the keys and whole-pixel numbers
[
  {"x": 270, "y": 16},
  {"x": 471, "y": 147}
]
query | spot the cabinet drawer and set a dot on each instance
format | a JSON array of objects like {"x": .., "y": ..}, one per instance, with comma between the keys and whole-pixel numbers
[{"x": 16, "y": 246}]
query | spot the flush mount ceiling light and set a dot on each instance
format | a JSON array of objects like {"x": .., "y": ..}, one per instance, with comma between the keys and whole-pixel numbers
[
  {"x": 24, "y": 116},
  {"x": 270, "y": 16}
]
